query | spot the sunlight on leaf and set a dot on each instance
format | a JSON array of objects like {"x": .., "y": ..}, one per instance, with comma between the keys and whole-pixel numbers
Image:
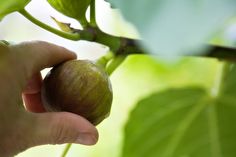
[
  {"x": 185, "y": 122},
  {"x": 9, "y": 6}
]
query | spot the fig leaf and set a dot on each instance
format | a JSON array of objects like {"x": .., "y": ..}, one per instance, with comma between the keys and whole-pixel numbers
[
  {"x": 71, "y": 8},
  {"x": 9, "y": 6}
]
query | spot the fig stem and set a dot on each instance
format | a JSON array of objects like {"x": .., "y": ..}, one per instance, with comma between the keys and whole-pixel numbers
[
  {"x": 93, "y": 21},
  {"x": 71, "y": 36},
  {"x": 115, "y": 63},
  {"x": 66, "y": 149},
  {"x": 102, "y": 61}
]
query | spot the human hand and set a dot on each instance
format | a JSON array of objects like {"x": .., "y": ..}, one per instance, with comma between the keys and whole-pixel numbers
[{"x": 20, "y": 76}]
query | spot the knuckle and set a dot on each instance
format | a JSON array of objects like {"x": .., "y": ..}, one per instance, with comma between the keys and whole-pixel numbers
[
  {"x": 61, "y": 132},
  {"x": 58, "y": 131}
]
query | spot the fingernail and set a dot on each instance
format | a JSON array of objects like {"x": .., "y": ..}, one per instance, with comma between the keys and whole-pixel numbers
[{"x": 86, "y": 139}]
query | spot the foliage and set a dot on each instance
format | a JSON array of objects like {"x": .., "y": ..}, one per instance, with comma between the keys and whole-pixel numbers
[
  {"x": 72, "y": 8},
  {"x": 9, "y": 6},
  {"x": 162, "y": 22},
  {"x": 184, "y": 122},
  {"x": 177, "y": 122}
]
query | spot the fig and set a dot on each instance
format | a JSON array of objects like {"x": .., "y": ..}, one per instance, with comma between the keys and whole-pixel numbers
[{"x": 80, "y": 87}]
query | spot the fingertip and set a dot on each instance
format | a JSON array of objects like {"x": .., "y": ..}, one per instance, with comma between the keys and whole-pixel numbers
[
  {"x": 42, "y": 54},
  {"x": 56, "y": 48},
  {"x": 72, "y": 53},
  {"x": 69, "y": 52},
  {"x": 87, "y": 139}
]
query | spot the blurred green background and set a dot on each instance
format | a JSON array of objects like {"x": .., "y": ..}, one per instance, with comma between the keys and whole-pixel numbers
[{"x": 136, "y": 78}]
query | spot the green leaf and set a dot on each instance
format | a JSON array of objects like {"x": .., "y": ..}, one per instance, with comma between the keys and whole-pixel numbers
[
  {"x": 173, "y": 27},
  {"x": 63, "y": 26},
  {"x": 72, "y": 8},
  {"x": 184, "y": 123},
  {"x": 9, "y": 6}
]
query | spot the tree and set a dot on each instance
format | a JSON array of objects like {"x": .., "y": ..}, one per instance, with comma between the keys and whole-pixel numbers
[{"x": 188, "y": 121}]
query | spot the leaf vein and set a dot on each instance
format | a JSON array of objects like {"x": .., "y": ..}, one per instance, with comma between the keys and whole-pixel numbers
[
  {"x": 183, "y": 127},
  {"x": 214, "y": 131}
]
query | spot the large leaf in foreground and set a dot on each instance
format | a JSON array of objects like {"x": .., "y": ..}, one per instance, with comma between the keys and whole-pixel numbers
[
  {"x": 9, "y": 6},
  {"x": 176, "y": 26},
  {"x": 184, "y": 123}
]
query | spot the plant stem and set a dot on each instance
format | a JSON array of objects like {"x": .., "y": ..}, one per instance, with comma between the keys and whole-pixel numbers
[
  {"x": 93, "y": 13},
  {"x": 122, "y": 45},
  {"x": 66, "y": 149},
  {"x": 102, "y": 61},
  {"x": 71, "y": 36},
  {"x": 221, "y": 53},
  {"x": 114, "y": 64},
  {"x": 83, "y": 21}
]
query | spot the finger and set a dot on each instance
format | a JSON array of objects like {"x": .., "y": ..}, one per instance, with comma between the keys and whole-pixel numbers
[
  {"x": 32, "y": 94},
  {"x": 37, "y": 55},
  {"x": 33, "y": 102},
  {"x": 34, "y": 84},
  {"x": 35, "y": 129},
  {"x": 63, "y": 127}
]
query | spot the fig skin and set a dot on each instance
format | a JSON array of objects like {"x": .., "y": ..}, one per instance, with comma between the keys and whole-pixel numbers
[{"x": 80, "y": 87}]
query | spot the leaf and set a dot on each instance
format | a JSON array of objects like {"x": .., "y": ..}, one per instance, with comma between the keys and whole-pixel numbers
[
  {"x": 175, "y": 27},
  {"x": 71, "y": 8},
  {"x": 184, "y": 123},
  {"x": 9, "y": 6},
  {"x": 63, "y": 26}
]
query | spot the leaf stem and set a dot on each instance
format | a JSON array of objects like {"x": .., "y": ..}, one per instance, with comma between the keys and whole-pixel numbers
[
  {"x": 93, "y": 13},
  {"x": 71, "y": 36},
  {"x": 83, "y": 22},
  {"x": 66, "y": 150}
]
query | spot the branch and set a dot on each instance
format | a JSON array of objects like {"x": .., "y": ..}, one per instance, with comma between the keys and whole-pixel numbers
[
  {"x": 122, "y": 45},
  {"x": 221, "y": 53},
  {"x": 132, "y": 46}
]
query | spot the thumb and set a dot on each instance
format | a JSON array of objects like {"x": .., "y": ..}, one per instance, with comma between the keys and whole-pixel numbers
[{"x": 63, "y": 127}]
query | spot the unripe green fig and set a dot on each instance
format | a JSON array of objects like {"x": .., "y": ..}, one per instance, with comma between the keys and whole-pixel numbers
[
  {"x": 80, "y": 87},
  {"x": 72, "y": 8}
]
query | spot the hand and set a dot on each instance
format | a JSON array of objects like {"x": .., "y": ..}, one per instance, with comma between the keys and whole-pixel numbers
[{"x": 20, "y": 129}]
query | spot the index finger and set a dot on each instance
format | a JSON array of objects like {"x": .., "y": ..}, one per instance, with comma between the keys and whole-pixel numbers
[{"x": 37, "y": 55}]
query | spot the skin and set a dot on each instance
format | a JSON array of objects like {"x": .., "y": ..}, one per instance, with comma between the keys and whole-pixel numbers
[{"x": 22, "y": 127}]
